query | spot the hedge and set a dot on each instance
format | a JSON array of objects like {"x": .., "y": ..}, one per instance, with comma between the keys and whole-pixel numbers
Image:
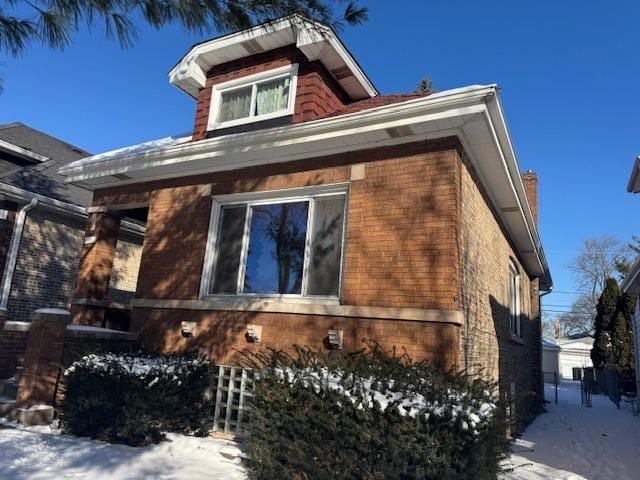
[
  {"x": 133, "y": 399},
  {"x": 370, "y": 415}
]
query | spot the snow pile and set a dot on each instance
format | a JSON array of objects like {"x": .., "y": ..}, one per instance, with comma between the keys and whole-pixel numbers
[
  {"x": 471, "y": 412},
  {"x": 143, "y": 367},
  {"x": 30, "y": 454},
  {"x": 573, "y": 442}
]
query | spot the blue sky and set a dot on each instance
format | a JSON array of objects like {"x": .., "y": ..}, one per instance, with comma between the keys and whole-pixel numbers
[{"x": 568, "y": 72}]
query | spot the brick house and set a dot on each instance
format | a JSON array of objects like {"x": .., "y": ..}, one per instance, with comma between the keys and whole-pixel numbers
[
  {"x": 306, "y": 208},
  {"x": 42, "y": 225}
]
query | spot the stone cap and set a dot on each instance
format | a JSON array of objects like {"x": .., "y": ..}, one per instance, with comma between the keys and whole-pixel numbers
[{"x": 51, "y": 314}]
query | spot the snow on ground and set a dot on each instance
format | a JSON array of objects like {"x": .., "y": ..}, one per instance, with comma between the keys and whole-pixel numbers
[
  {"x": 38, "y": 453},
  {"x": 573, "y": 442}
]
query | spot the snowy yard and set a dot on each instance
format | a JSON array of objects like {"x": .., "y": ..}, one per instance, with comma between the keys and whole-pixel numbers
[
  {"x": 573, "y": 442},
  {"x": 39, "y": 454}
]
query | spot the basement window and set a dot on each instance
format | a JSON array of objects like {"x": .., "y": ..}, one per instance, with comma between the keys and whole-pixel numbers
[
  {"x": 277, "y": 244},
  {"x": 254, "y": 98},
  {"x": 514, "y": 300}
]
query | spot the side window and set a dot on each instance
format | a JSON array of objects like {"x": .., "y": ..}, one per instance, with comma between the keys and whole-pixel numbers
[{"x": 514, "y": 300}]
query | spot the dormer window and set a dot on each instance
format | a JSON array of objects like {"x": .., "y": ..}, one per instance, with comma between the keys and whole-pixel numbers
[{"x": 254, "y": 98}]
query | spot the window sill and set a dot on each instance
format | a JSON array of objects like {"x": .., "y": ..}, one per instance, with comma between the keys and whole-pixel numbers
[
  {"x": 329, "y": 307},
  {"x": 246, "y": 301},
  {"x": 516, "y": 339}
]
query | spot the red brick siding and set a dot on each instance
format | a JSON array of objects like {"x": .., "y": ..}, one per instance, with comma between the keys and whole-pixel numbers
[
  {"x": 222, "y": 334},
  {"x": 12, "y": 348},
  {"x": 317, "y": 94},
  {"x": 401, "y": 245}
]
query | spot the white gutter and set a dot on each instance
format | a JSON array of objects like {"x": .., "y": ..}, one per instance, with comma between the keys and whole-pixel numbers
[
  {"x": 64, "y": 208},
  {"x": 22, "y": 152},
  {"x": 12, "y": 257}
]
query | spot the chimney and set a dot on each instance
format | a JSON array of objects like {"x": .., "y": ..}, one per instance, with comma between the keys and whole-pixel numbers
[
  {"x": 556, "y": 329},
  {"x": 530, "y": 180}
]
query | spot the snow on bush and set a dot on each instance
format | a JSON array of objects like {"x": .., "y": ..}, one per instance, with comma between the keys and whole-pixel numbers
[
  {"x": 134, "y": 399},
  {"x": 153, "y": 368},
  {"x": 471, "y": 412},
  {"x": 370, "y": 414}
]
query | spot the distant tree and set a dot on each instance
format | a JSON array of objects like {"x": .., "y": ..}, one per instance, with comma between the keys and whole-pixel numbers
[
  {"x": 599, "y": 259},
  {"x": 53, "y": 22},
  {"x": 602, "y": 352},
  {"x": 425, "y": 86},
  {"x": 624, "y": 264},
  {"x": 579, "y": 319}
]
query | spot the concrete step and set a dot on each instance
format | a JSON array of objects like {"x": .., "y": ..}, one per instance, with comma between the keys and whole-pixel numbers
[
  {"x": 7, "y": 407},
  {"x": 9, "y": 388}
]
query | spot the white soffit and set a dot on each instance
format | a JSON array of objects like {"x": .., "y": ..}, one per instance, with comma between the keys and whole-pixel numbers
[
  {"x": 316, "y": 41},
  {"x": 634, "y": 181},
  {"x": 473, "y": 114}
]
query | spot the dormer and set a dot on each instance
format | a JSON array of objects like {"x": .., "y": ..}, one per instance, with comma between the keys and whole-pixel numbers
[{"x": 289, "y": 71}]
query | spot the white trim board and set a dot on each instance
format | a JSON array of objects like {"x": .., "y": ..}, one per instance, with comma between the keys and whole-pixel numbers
[{"x": 316, "y": 41}]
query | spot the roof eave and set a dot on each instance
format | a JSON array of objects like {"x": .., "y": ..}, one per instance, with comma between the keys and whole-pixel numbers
[
  {"x": 634, "y": 180},
  {"x": 313, "y": 38},
  {"x": 501, "y": 178}
]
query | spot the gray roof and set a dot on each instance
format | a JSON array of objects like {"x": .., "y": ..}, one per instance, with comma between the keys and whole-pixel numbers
[{"x": 43, "y": 178}]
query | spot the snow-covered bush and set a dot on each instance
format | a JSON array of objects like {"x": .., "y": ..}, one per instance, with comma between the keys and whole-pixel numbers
[
  {"x": 133, "y": 399},
  {"x": 371, "y": 415}
]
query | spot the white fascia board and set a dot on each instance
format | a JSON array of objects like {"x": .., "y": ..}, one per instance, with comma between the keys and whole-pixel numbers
[
  {"x": 314, "y": 39},
  {"x": 22, "y": 152},
  {"x": 631, "y": 282},
  {"x": 510, "y": 163},
  {"x": 634, "y": 180},
  {"x": 66, "y": 209}
]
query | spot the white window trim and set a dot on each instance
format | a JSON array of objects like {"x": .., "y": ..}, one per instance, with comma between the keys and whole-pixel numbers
[
  {"x": 515, "y": 315},
  {"x": 263, "y": 198},
  {"x": 290, "y": 71}
]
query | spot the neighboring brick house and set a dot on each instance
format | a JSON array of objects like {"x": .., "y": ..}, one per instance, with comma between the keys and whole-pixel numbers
[
  {"x": 306, "y": 208},
  {"x": 42, "y": 226}
]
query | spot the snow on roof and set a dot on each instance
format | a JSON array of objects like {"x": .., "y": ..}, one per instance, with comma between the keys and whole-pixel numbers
[{"x": 138, "y": 149}]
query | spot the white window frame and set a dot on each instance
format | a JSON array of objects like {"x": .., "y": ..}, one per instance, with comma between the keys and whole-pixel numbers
[
  {"x": 266, "y": 198},
  {"x": 290, "y": 71},
  {"x": 515, "y": 305}
]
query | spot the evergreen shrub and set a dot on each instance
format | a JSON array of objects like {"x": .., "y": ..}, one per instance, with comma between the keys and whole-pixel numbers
[
  {"x": 370, "y": 415},
  {"x": 133, "y": 399}
]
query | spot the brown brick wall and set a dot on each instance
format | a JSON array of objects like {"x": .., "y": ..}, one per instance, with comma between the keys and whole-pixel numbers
[
  {"x": 317, "y": 93},
  {"x": 221, "y": 335},
  {"x": 401, "y": 245},
  {"x": 12, "y": 347},
  {"x": 488, "y": 346},
  {"x": 47, "y": 264},
  {"x": 6, "y": 232},
  {"x": 401, "y": 235}
]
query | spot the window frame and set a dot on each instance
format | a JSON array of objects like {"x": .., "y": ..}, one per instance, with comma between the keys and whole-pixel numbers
[
  {"x": 269, "y": 198},
  {"x": 515, "y": 301},
  {"x": 290, "y": 71}
]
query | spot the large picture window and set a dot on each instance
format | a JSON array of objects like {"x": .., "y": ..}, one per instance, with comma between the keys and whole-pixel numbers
[
  {"x": 256, "y": 97},
  {"x": 280, "y": 246}
]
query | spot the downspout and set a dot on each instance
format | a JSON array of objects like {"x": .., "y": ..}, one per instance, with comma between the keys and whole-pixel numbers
[{"x": 12, "y": 257}]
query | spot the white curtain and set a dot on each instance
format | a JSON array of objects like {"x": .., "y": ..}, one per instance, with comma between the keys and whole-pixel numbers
[
  {"x": 272, "y": 96},
  {"x": 235, "y": 104}
]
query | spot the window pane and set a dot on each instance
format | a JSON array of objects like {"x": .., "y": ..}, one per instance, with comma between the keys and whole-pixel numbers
[
  {"x": 229, "y": 249},
  {"x": 326, "y": 246},
  {"x": 276, "y": 248},
  {"x": 272, "y": 96},
  {"x": 235, "y": 104}
]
